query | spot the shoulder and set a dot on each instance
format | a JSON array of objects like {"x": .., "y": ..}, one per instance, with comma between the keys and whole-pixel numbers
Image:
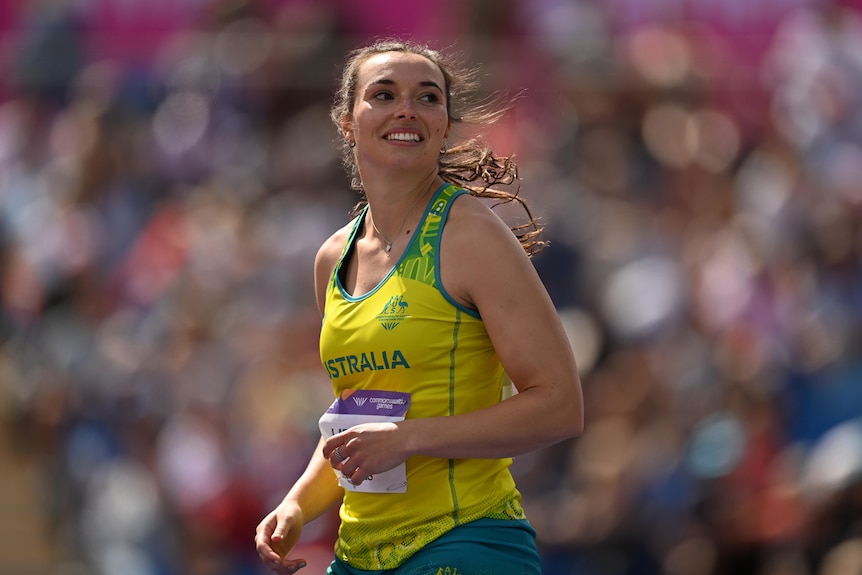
[
  {"x": 326, "y": 258},
  {"x": 475, "y": 228},
  {"x": 478, "y": 248},
  {"x": 330, "y": 250}
]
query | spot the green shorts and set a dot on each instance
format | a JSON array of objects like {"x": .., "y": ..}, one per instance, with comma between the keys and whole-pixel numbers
[{"x": 482, "y": 547}]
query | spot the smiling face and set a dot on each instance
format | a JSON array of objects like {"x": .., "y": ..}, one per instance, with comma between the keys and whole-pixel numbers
[{"x": 399, "y": 118}]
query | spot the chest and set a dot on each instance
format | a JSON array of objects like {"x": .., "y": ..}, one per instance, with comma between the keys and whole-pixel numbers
[{"x": 363, "y": 269}]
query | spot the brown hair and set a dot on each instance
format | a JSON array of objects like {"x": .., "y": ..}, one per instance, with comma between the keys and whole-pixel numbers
[{"x": 471, "y": 165}]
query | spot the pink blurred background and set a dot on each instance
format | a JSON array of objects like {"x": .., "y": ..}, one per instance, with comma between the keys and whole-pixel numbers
[{"x": 168, "y": 170}]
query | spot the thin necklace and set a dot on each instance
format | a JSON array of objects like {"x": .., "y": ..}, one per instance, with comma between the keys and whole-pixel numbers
[{"x": 382, "y": 237}]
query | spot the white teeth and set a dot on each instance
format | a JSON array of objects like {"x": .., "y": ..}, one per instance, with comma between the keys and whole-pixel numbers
[{"x": 404, "y": 137}]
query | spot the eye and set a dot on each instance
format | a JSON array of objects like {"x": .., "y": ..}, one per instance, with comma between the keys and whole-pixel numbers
[
  {"x": 383, "y": 95},
  {"x": 430, "y": 98}
]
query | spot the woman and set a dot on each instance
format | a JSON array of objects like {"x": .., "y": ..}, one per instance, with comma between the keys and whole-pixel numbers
[{"x": 429, "y": 303}]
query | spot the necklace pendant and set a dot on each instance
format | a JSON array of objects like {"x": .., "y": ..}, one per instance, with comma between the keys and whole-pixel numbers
[{"x": 388, "y": 246}]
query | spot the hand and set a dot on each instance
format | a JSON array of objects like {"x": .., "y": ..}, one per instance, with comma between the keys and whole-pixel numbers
[
  {"x": 277, "y": 535},
  {"x": 365, "y": 449}
]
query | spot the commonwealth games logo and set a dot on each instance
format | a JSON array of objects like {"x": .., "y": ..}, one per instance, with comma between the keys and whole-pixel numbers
[{"x": 393, "y": 313}]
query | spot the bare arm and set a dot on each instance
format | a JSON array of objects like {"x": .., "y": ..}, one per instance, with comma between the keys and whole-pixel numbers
[
  {"x": 484, "y": 267},
  {"x": 317, "y": 488},
  {"x": 314, "y": 492},
  {"x": 492, "y": 274}
]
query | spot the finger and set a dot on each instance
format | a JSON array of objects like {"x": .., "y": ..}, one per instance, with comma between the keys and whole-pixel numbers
[
  {"x": 330, "y": 444},
  {"x": 282, "y": 541},
  {"x": 277, "y": 536},
  {"x": 273, "y": 558},
  {"x": 358, "y": 476},
  {"x": 290, "y": 566},
  {"x": 266, "y": 552},
  {"x": 349, "y": 468},
  {"x": 338, "y": 440},
  {"x": 338, "y": 457},
  {"x": 269, "y": 557}
]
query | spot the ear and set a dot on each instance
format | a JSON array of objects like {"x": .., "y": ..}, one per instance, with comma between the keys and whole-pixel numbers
[{"x": 347, "y": 128}]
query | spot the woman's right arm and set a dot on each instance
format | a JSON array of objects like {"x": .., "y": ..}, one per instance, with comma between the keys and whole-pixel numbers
[
  {"x": 317, "y": 489},
  {"x": 314, "y": 492}
]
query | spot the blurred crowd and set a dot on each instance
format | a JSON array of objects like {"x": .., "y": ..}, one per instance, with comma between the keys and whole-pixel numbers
[{"x": 168, "y": 170}]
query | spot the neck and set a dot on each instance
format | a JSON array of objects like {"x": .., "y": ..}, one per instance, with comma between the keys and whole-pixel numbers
[
  {"x": 391, "y": 204},
  {"x": 390, "y": 215}
]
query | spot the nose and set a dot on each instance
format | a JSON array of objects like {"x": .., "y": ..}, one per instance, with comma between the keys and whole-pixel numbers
[{"x": 406, "y": 110}]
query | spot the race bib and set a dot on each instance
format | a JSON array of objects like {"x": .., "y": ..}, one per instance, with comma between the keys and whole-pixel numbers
[{"x": 356, "y": 406}]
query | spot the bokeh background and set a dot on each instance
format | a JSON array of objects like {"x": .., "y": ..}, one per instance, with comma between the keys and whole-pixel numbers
[{"x": 168, "y": 170}]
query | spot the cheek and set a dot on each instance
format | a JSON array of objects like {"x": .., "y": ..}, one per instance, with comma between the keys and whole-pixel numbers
[{"x": 362, "y": 115}]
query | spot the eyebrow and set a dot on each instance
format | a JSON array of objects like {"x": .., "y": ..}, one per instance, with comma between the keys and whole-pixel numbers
[{"x": 424, "y": 83}]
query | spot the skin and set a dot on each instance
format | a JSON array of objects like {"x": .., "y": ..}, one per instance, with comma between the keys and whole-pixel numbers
[{"x": 482, "y": 266}]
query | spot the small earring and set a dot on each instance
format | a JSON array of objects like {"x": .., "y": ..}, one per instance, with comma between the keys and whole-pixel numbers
[
  {"x": 444, "y": 149},
  {"x": 351, "y": 143}
]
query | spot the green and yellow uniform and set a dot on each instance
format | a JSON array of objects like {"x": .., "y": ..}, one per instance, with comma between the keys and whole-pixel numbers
[{"x": 408, "y": 335}]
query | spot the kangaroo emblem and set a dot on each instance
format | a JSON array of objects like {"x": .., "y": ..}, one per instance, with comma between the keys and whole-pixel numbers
[{"x": 393, "y": 313}]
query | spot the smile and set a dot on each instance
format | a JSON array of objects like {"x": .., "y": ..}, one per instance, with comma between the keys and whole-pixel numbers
[{"x": 404, "y": 137}]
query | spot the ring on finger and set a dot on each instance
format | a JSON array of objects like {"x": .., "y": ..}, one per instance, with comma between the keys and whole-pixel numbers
[{"x": 338, "y": 454}]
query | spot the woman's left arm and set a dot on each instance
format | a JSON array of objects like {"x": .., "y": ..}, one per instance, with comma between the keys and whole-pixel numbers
[{"x": 483, "y": 266}]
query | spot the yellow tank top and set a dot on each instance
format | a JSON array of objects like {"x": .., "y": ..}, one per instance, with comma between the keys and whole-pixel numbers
[{"x": 409, "y": 335}]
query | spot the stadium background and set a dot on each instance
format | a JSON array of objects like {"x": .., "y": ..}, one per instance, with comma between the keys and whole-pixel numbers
[{"x": 167, "y": 171}]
